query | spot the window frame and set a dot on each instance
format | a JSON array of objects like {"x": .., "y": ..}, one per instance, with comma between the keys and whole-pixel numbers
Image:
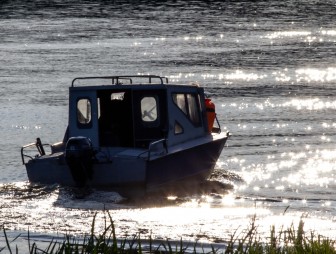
[
  {"x": 187, "y": 111},
  {"x": 84, "y": 125},
  {"x": 156, "y": 121}
]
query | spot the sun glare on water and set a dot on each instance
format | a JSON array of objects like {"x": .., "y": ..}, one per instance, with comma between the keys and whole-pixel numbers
[
  {"x": 316, "y": 75},
  {"x": 310, "y": 104}
]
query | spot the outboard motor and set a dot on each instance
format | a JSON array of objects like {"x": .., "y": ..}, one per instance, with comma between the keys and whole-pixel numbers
[{"x": 78, "y": 155}]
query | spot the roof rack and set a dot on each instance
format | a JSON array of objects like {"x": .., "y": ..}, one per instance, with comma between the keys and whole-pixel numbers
[{"x": 116, "y": 79}]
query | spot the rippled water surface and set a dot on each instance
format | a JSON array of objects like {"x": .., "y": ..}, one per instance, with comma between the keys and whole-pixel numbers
[{"x": 268, "y": 65}]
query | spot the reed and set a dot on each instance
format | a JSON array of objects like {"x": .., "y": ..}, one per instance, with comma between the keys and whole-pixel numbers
[{"x": 290, "y": 241}]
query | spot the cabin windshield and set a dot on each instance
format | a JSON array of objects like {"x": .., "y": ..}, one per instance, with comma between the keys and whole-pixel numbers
[
  {"x": 190, "y": 106},
  {"x": 149, "y": 109}
]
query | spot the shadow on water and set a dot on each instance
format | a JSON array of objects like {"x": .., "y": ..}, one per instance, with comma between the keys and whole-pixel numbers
[
  {"x": 95, "y": 199},
  {"x": 218, "y": 185}
]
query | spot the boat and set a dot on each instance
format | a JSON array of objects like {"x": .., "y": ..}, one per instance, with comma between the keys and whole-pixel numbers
[{"x": 136, "y": 133}]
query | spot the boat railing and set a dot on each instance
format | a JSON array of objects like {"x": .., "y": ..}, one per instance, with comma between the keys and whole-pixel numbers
[
  {"x": 117, "y": 80},
  {"x": 39, "y": 147},
  {"x": 159, "y": 146},
  {"x": 217, "y": 129}
]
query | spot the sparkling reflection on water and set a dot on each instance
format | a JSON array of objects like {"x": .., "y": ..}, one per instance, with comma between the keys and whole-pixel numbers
[
  {"x": 206, "y": 218},
  {"x": 269, "y": 68}
]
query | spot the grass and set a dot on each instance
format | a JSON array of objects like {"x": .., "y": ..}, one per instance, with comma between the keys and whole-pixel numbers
[{"x": 290, "y": 241}]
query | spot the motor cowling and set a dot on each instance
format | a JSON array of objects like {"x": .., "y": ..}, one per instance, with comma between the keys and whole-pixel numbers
[{"x": 79, "y": 157}]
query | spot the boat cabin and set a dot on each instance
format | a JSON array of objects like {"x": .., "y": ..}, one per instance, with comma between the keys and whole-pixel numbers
[{"x": 115, "y": 111}]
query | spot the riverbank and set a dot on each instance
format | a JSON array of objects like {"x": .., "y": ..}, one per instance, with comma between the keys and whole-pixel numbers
[{"x": 284, "y": 240}]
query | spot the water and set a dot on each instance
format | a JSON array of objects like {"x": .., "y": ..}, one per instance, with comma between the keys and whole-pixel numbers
[{"x": 269, "y": 67}]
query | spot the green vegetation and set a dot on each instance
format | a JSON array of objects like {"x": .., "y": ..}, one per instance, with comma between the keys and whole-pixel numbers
[{"x": 289, "y": 241}]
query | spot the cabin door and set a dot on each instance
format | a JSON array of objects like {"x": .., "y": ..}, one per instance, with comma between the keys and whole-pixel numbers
[
  {"x": 150, "y": 117},
  {"x": 115, "y": 120}
]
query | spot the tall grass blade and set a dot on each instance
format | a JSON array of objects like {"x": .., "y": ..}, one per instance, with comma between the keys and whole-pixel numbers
[
  {"x": 139, "y": 244},
  {"x": 29, "y": 241},
  {"x": 7, "y": 242},
  {"x": 114, "y": 237},
  {"x": 169, "y": 247}
]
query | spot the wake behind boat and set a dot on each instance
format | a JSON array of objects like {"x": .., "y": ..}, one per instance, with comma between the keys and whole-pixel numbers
[{"x": 134, "y": 133}]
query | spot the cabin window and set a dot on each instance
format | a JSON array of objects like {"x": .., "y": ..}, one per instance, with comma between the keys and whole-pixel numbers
[
  {"x": 180, "y": 101},
  {"x": 118, "y": 96},
  {"x": 178, "y": 129},
  {"x": 84, "y": 111},
  {"x": 149, "y": 109},
  {"x": 189, "y": 104}
]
